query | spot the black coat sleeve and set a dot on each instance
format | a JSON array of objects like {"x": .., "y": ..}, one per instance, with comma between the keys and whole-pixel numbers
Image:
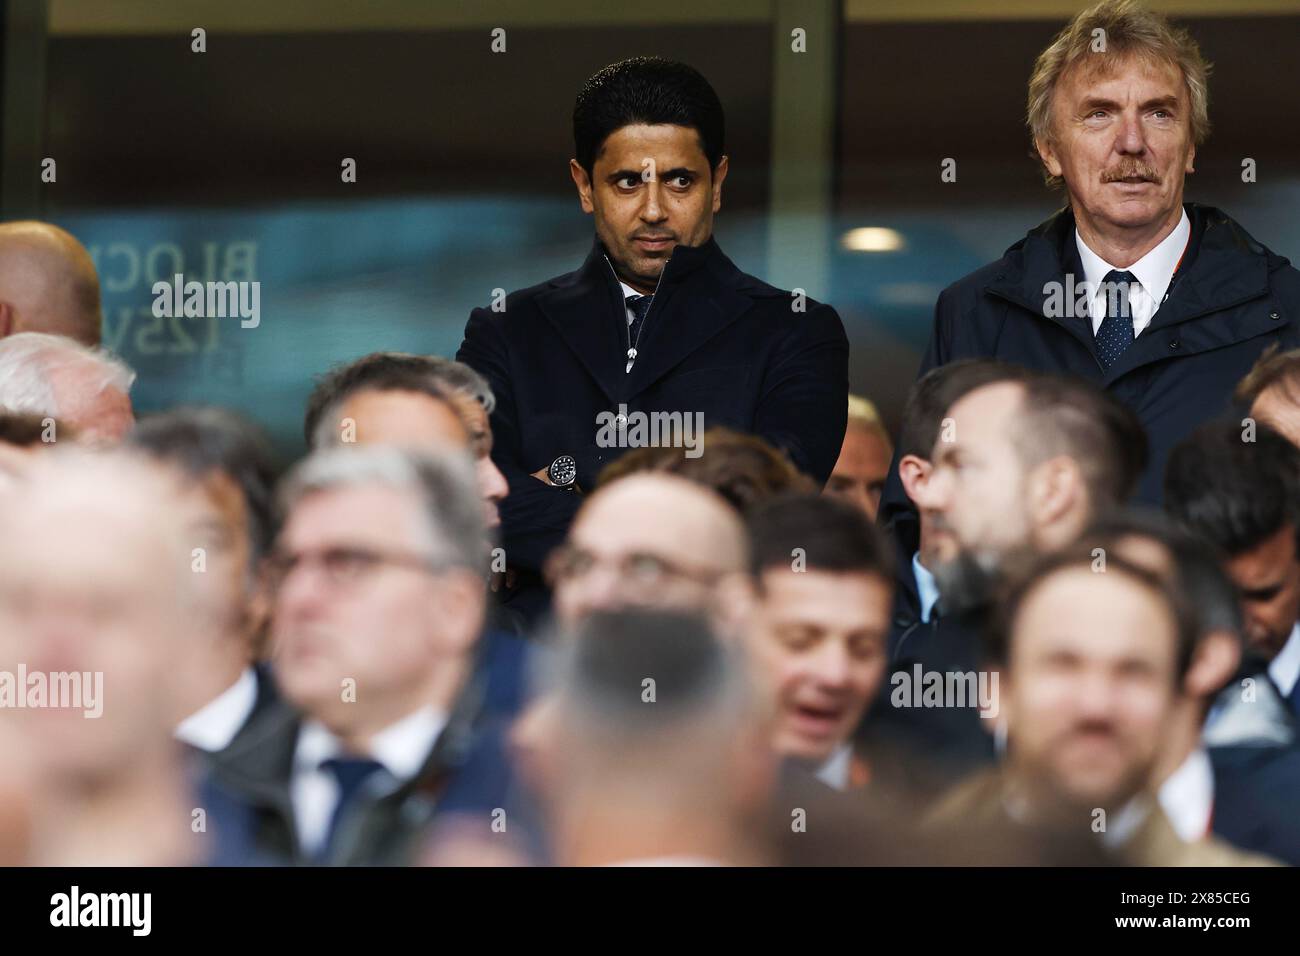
[
  {"x": 534, "y": 516},
  {"x": 803, "y": 408}
]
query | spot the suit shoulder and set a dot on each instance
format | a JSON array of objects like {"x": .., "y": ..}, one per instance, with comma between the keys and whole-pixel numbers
[{"x": 969, "y": 288}]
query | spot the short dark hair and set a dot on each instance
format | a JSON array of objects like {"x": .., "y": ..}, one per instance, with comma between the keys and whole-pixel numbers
[
  {"x": 1233, "y": 492},
  {"x": 1197, "y": 564},
  {"x": 1031, "y": 574},
  {"x": 1066, "y": 415},
  {"x": 439, "y": 378},
  {"x": 650, "y": 90},
  {"x": 203, "y": 439},
  {"x": 931, "y": 395},
  {"x": 1273, "y": 369},
  {"x": 744, "y": 469},
  {"x": 831, "y": 534}
]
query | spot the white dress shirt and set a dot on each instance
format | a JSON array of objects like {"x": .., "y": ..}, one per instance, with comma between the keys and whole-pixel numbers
[
  {"x": 1187, "y": 797},
  {"x": 627, "y": 291},
  {"x": 835, "y": 771},
  {"x": 213, "y": 726},
  {"x": 1153, "y": 273},
  {"x": 1284, "y": 669},
  {"x": 927, "y": 591},
  {"x": 402, "y": 748}
]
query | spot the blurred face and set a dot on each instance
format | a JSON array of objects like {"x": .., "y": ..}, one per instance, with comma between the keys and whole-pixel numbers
[
  {"x": 1092, "y": 686},
  {"x": 1123, "y": 142},
  {"x": 860, "y": 473},
  {"x": 650, "y": 190},
  {"x": 99, "y": 417},
  {"x": 1276, "y": 408},
  {"x": 88, "y": 592},
  {"x": 219, "y": 525},
  {"x": 974, "y": 497},
  {"x": 356, "y": 599},
  {"x": 1268, "y": 576},
  {"x": 414, "y": 420},
  {"x": 403, "y": 419},
  {"x": 644, "y": 541},
  {"x": 819, "y": 641},
  {"x": 491, "y": 483},
  {"x": 13, "y": 462}
]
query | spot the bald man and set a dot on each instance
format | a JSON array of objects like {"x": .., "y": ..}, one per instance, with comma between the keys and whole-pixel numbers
[
  {"x": 647, "y": 540},
  {"x": 47, "y": 283}
]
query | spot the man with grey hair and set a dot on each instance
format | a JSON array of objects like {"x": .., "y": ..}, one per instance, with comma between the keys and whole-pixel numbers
[
  {"x": 411, "y": 401},
  {"x": 379, "y": 604},
  {"x": 47, "y": 283},
  {"x": 1166, "y": 304},
  {"x": 52, "y": 375}
]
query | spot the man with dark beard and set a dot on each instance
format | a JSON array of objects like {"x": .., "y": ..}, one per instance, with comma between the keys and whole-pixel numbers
[{"x": 1020, "y": 465}]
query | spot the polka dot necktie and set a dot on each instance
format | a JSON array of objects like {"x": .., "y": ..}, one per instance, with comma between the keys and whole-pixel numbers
[
  {"x": 640, "y": 305},
  {"x": 1115, "y": 334}
]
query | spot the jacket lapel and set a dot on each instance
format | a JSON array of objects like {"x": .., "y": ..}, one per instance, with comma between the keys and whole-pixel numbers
[
  {"x": 586, "y": 309},
  {"x": 698, "y": 297}
]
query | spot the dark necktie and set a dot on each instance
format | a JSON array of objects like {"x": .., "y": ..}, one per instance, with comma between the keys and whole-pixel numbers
[
  {"x": 640, "y": 305},
  {"x": 351, "y": 774},
  {"x": 1115, "y": 334}
]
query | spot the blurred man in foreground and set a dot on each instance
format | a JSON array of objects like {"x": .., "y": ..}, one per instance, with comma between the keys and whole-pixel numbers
[
  {"x": 379, "y": 604},
  {"x": 647, "y": 540},
  {"x": 223, "y": 471},
  {"x": 1092, "y": 668},
  {"x": 97, "y": 601},
  {"x": 657, "y": 754}
]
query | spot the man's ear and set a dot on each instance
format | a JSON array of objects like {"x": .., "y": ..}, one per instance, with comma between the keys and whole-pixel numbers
[
  {"x": 1191, "y": 158},
  {"x": 719, "y": 175},
  {"x": 1055, "y": 494},
  {"x": 1215, "y": 660},
  {"x": 1047, "y": 152},
  {"x": 583, "y": 182},
  {"x": 913, "y": 472}
]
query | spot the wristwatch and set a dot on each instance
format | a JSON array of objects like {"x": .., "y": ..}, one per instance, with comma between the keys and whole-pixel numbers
[{"x": 563, "y": 473}]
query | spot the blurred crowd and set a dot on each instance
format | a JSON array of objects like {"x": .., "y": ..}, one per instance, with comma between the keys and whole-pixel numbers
[
  {"x": 209, "y": 662},
  {"x": 809, "y": 640}
]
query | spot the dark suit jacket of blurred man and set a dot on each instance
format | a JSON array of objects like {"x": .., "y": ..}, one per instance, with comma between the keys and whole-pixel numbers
[
  {"x": 1230, "y": 299},
  {"x": 716, "y": 341}
]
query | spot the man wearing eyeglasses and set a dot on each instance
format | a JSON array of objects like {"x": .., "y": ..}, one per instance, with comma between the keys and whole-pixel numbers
[
  {"x": 379, "y": 603},
  {"x": 647, "y": 540}
]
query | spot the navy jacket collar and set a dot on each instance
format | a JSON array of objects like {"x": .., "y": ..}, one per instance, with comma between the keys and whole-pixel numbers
[
  {"x": 1223, "y": 267},
  {"x": 701, "y": 293}
]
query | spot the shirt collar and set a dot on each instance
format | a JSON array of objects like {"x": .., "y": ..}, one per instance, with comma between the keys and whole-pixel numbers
[
  {"x": 1153, "y": 271},
  {"x": 1187, "y": 797},
  {"x": 927, "y": 591},
  {"x": 835, "y": 771},
  {"x": 402, "y": 747},
  {"x": 1284, "y": 669},
  {"x": 213, "y": 726}
]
